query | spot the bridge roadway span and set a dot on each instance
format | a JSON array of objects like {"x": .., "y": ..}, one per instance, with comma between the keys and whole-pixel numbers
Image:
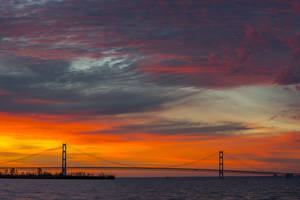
[{"x": 155, "y": 168}]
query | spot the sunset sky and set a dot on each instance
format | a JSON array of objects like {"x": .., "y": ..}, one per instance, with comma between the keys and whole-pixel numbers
[{"x": 157, "y": 82}]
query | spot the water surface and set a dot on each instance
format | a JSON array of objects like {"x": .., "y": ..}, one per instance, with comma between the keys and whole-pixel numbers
[{"x": 153, "y": 188}]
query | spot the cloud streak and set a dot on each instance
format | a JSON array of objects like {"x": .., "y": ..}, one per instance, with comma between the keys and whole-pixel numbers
[
  {"x": 98, "y": 88},
  {"x": 165, "y": 127}
]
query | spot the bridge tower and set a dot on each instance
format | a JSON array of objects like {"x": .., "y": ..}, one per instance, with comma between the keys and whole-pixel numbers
[
  {"x": 221, "y": 164},
  {"x": 64, "y": 160}
]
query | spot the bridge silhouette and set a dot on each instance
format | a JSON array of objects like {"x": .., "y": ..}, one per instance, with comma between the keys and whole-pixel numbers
[{"x": 64, "y": 168}]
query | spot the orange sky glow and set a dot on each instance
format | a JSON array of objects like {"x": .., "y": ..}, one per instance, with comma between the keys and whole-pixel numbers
[{"x": 150, "y": 83}]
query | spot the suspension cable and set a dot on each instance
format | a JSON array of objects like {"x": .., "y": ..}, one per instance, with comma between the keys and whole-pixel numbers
[
  {"x": 30, "y": 155},
  {"x": 243, "y": 163},
  {"x": 195, "y": 161},
  {"x": 137, "y": 165},
  {"x": 103, "y": 159}
]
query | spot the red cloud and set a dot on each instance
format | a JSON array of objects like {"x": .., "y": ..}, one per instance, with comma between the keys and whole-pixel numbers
[
  {"x": 47, "y": 101},
  {"x": 184, "y": 38},
  {"x": 3, "y": 92}
]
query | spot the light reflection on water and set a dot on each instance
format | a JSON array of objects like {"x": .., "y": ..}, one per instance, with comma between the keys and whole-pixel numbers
[{"x": 153, "y": 188}]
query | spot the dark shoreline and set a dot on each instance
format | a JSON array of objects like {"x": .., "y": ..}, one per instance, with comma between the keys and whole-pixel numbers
[{"x": 111, "y": 177}]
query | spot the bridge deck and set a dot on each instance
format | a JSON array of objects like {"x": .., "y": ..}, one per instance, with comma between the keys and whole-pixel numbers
[{"x": 156, "y": 168}]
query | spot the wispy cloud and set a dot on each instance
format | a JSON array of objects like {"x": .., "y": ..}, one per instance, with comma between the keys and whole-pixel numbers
[{"x": 166, "y": 127}]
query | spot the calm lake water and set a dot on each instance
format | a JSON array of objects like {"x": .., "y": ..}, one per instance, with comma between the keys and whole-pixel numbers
[{"x": 153, "y": 188}]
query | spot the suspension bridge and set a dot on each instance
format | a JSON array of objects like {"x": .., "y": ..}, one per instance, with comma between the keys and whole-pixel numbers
[{"x": 64, "y": 168}]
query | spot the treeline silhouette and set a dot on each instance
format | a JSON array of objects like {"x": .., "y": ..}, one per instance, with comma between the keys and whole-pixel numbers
[{"x": 40, "y": 174}]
